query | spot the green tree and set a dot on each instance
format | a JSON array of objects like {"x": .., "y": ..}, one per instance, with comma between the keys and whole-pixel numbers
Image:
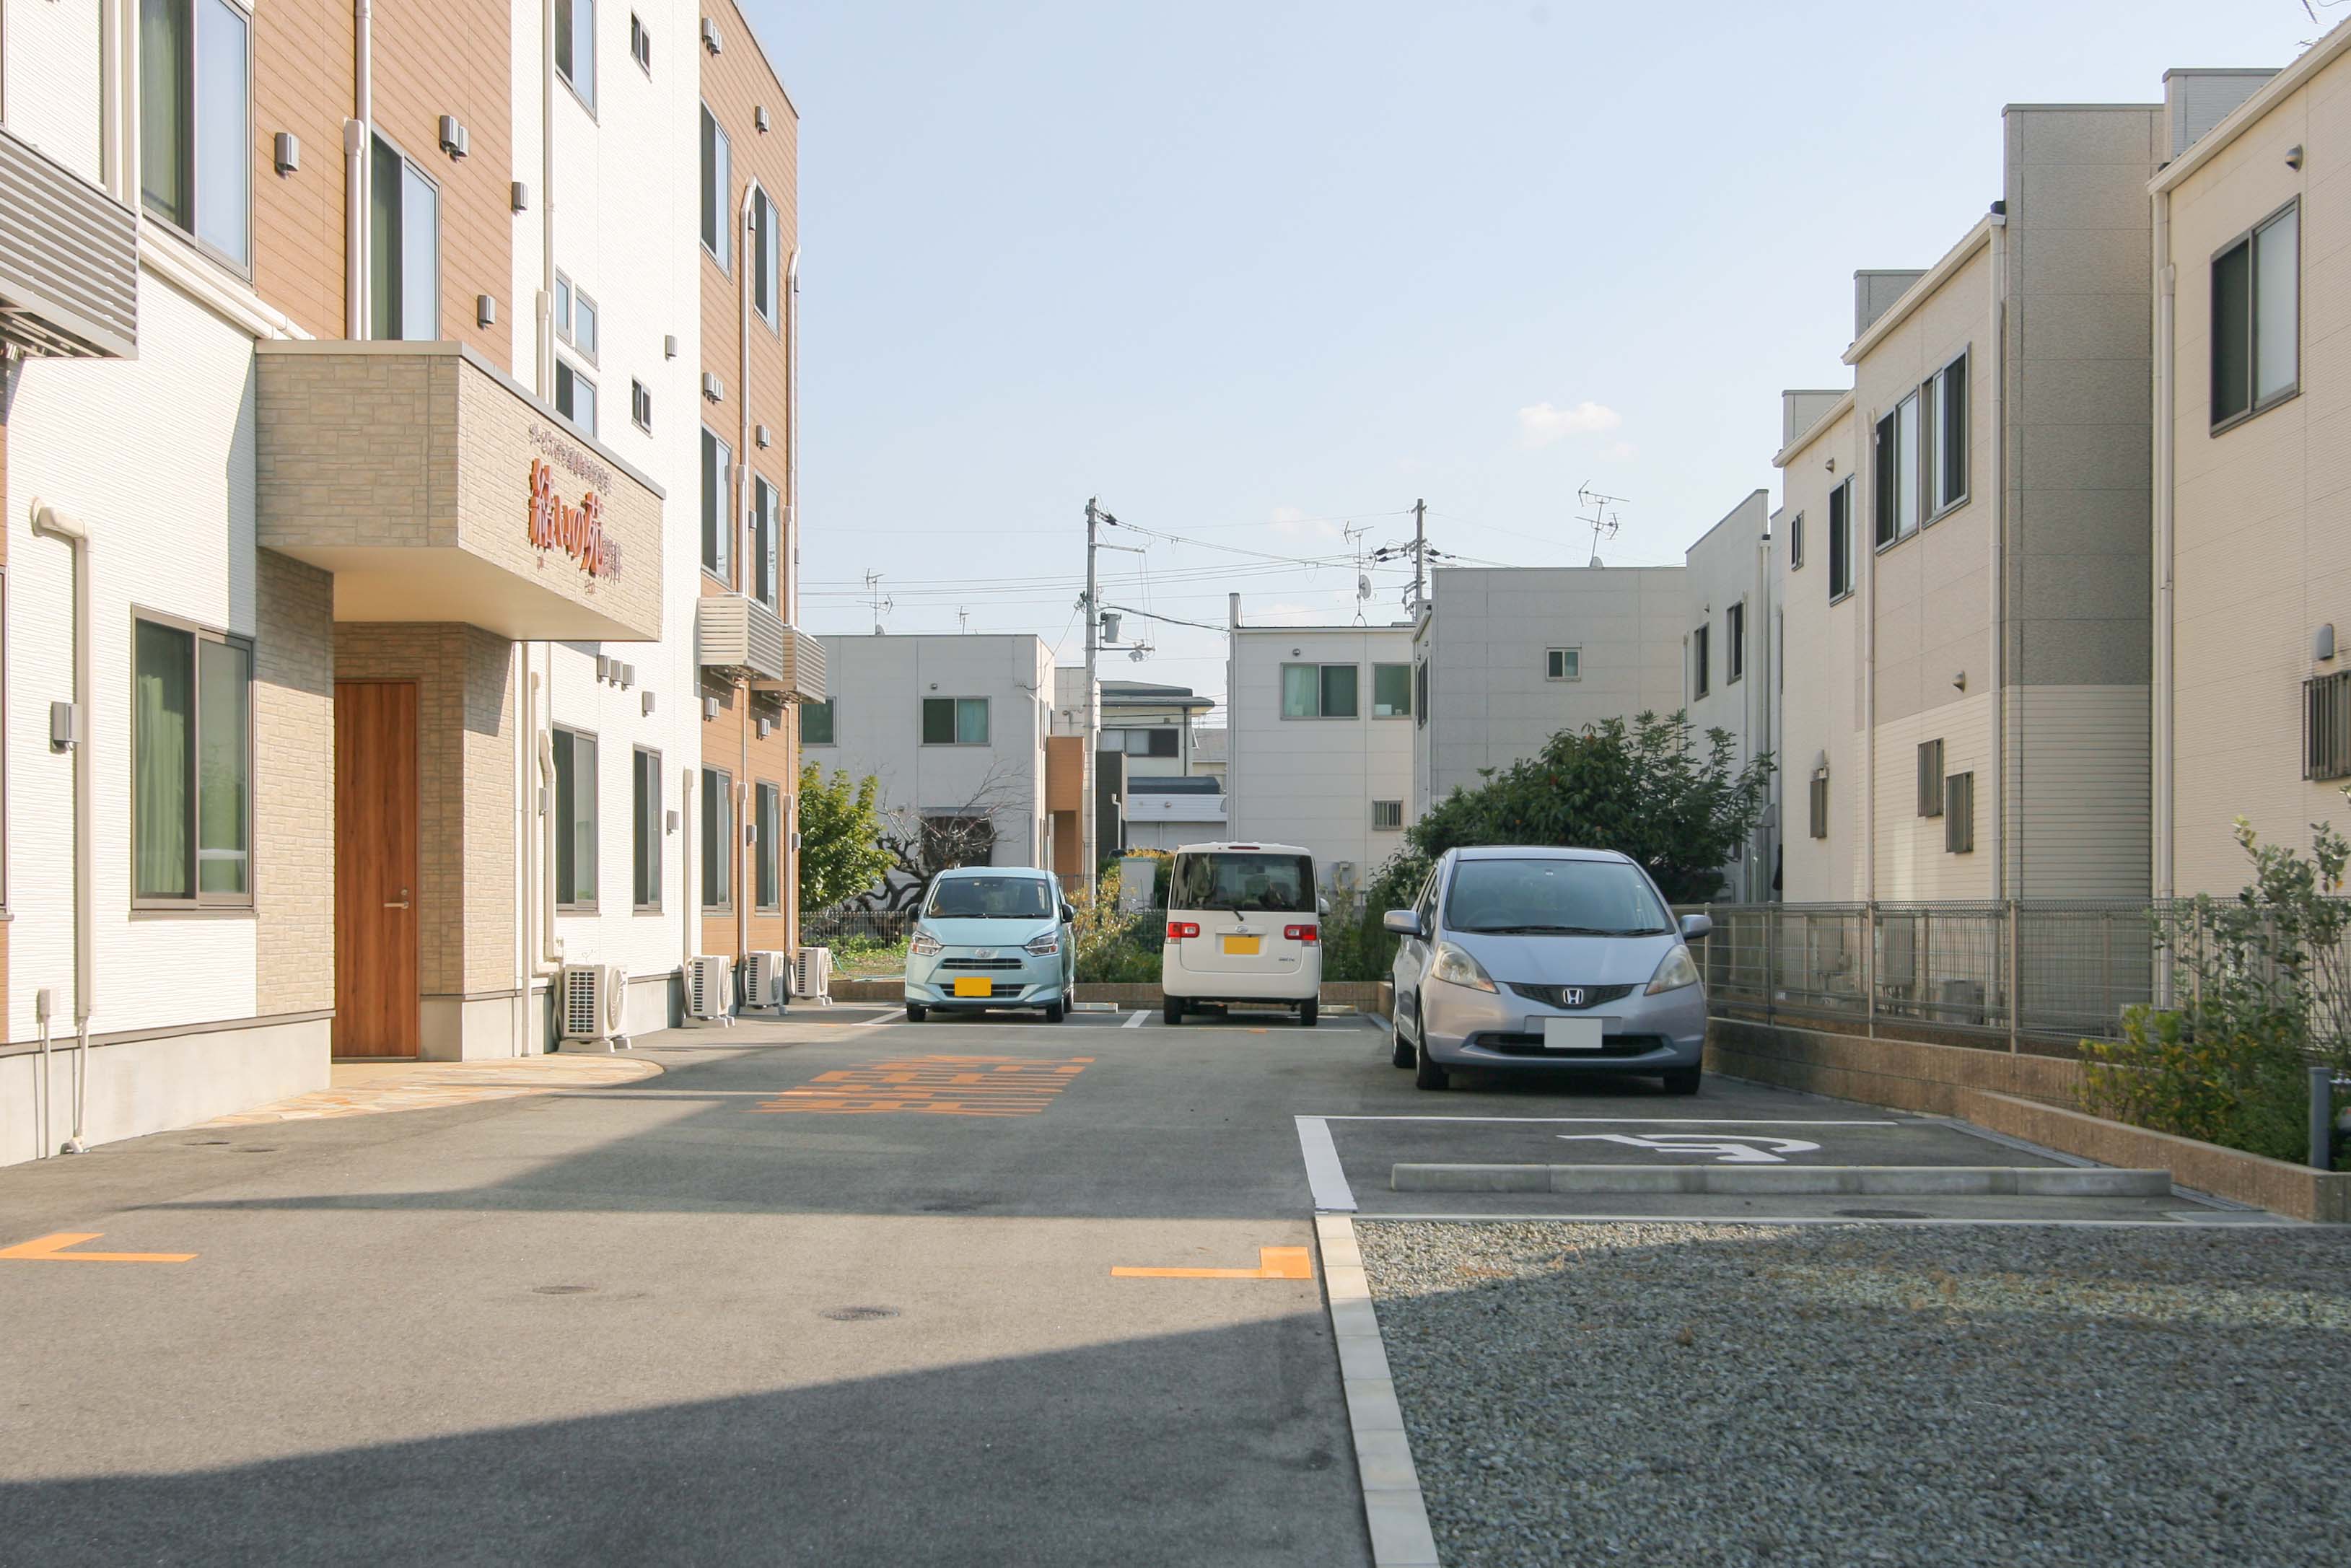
[
  {"x": 1641, "y": 789},
  {"x": 842, "y": 853}
]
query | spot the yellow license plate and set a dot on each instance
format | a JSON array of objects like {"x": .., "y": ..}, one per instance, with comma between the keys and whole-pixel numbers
[
  {"x": 966, "y": 986},
  {"x": 1241, "y": 947}
]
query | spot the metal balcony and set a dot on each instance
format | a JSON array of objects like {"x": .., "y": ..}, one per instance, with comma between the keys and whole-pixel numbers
[
  {"x": 741, "y": 638},
  {"x": 68, "y": 261}
]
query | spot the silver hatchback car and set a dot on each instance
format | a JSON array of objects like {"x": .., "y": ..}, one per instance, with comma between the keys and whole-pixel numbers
[{"x": 1527, "y": 957}]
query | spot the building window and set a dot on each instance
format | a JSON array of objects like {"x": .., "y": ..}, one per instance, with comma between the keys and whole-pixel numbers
[
  {"x": 815, "y": 723},
  {"x": 717, "y": 187},
  {"x": 1390, "y": 691},
  {"x": 195, "y": 97},
  {"x": 1897, "y": 473},
  {"x": 2327, "y": 726},
  {"x": 583, "y": 325},
  {"x": 1943, "y": 438},
  {"x": 1388, "y": 816},
  {"x": 563, "y": 306},
  {"x": 645, "y": 830},
  {"x": 1960, "y": 813},
  {"x": 1562, "y": 664},
  {"x": 1820, "y": 804},
  {"x": 575, "y": 820},
  {"x": 1701, "y": 662},
  {"x": 575, "y": 46},
  {"x": 192, "y": 766},
  {"x": 1841, "y": 541},
  {"x": 1796, "y": 542},
  {"x": 1319, "y": 691},
  {"x": 641, "y": 44},
  {"x": 764, "y": 257},
  {"x": 955, "y": 721},
  {"x": 1420, "y": 695},
  {"x": 1159, "y": 740},
  {"x": 404, "y": 250},
  {"x": 1930, "y": 778},
  {"x": 1734, "y": 650},
  {"x": 767, "y": 818},
  {"x": 717, "y": 838},
  {"x": 575, "y": 396},
  {"x": 641, "y": 405},
  {"x": 2256, "y": 317},
  {"x": 767, "y": 518},
  {"x": 717, "y": 519}
]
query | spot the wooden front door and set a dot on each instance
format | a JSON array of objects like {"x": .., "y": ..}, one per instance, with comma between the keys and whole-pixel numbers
[{"x": 377, "y": 1007}]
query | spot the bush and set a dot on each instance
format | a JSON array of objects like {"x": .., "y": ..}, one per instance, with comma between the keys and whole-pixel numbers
[{"x": 2229, "y": 1065}]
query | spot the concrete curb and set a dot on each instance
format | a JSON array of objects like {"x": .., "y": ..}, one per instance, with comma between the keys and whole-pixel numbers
[
  {"x": 1915, "y": 1181},
  {"x": 1393, "y": 1506}
]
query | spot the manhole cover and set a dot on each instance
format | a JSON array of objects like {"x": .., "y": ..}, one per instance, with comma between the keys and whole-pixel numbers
[
  {"x": 859, "y": 1314},
  {"x": 1882, "y": 1214},
  {"x": 560, "y": 1289}
]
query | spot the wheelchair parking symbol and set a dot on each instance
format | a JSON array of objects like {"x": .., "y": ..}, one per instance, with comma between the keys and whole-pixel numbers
[{"x": 1731, "y": 1149}]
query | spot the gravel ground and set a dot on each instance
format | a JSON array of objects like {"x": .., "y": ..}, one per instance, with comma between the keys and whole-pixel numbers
[{"x": 1683, "y": 1393}]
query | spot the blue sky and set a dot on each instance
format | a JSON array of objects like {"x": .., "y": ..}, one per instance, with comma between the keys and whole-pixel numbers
[{"x": 1254, "y": 272}]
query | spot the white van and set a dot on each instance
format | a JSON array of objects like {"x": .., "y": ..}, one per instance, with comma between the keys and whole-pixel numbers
[{"x": 1243, "y": 925}]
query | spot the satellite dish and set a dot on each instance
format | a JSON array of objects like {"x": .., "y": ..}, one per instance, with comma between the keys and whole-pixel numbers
[{"x": 1363, "y": 585}]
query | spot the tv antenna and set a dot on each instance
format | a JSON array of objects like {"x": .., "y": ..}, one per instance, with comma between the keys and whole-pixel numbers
[
  {"x": 882, "y": 602},
  {"x": 1603, "y": 521},
  {"x": 1354, "y": 534},
  {"x": 963, "y": 619}
]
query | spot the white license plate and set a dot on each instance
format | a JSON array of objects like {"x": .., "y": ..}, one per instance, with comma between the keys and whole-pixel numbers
[{"x": 1571, "y": 1034}]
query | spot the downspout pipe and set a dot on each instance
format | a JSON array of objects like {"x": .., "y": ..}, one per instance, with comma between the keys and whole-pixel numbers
[
  {"x": 2163, "y": 781},
  {"x": 1997, "y": 378},
  {"x": 50, "y": 523},
  {"x": 544, "y": 360},
  {"x": 356, "y": 172},
  {"x": 750, "y": 575}
]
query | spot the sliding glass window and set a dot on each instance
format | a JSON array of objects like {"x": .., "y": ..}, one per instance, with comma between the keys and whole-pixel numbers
[
  {"x": 192, "y": 766},
  {"x": 195, "y": 95}
]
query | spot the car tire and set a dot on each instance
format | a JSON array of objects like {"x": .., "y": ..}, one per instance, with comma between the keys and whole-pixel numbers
[
  {"x": 1682, "y": 1079},
  {"x": 1402, "y": 1055},
  {"x": 1307, "y": 1013},
  {"x": 1055, "y": 1012},
  {"x": 1429, "y": 1076},
  {"x": 1171, "y": 1011},
  {"x": 914, "y": 1011}
]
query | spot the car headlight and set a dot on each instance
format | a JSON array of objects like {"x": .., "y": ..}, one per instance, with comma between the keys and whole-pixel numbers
[
  {"x": 1456, "y": 966},
  {"x": 921, "y": 944},
  {"x": 1675, "y": 972},
  {"x": 1045, "y": 946}
]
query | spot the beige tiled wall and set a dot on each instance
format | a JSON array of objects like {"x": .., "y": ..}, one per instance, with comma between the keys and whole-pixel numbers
[{"x": 294, "y": 786}]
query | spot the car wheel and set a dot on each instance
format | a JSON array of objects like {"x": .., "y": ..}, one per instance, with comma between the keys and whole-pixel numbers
[
  {"x": 914, "y": 1011},
  {"x": 1402, "y": 1055},
  {"x": 1307, "y": 1013},
  {"x": 1055, "y": 1012},
  {"x": 1430, "y": 1075},
  {"x": 1682, "y": 1079},
  {"x": 1172, "y": 1010}
]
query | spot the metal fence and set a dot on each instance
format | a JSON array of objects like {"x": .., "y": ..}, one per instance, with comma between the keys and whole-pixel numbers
[
  {"x": 841, "y": 927},
  {"x": 2044, "y": 971}
]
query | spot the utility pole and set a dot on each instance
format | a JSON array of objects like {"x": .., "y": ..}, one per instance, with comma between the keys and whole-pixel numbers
[
  {"x": 1089, "y": 813},
  {"x": 1419, "y": 551}
]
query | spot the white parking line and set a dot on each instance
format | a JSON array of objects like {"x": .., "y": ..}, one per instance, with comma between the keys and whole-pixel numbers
[
  {"x": 1636, "y": 1121},
  {"x": 892, "y": 1017},
  {"x": 1134, "y": 1019},
  {"x": 1325, "y": 1177}
]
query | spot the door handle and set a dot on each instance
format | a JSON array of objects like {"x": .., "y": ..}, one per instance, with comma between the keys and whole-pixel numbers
[{"x": 388, "y": 903}]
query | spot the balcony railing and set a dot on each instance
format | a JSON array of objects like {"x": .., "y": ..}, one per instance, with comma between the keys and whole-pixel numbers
[
  {"x": 737, "y": 635},
  {"x": 68, "y": 260}
]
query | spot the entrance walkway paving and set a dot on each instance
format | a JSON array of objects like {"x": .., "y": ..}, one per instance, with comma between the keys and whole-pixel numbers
[{"x": 370, "y": 1088}]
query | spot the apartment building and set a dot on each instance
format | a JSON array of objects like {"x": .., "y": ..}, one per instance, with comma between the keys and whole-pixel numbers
[
  {"x": 1319, "y": 733},
  {"x": 1506, "y": 658},
  {"x": 1726, "y": 664},
  {"x": 955, "y": 727},
  {"x": 359, "y": 596},
  {"x": 1966, "y": 537},
  {"x": 2252, "y": 554}
]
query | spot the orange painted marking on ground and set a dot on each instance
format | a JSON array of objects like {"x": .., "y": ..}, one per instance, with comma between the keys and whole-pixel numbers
[
  {"x": 52, "y": 1249},
  {"x": 934, "y": 1085},
  {"x": 1273, "y": 1263}
]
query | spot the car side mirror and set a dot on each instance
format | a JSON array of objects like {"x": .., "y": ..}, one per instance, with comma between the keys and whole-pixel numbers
[
  {"x": 1695, "y": 927},
  {"x": 1069, "y": 915},
  {"x": 1323, "y": 907},
  {"x": 1402, "y": 922}
]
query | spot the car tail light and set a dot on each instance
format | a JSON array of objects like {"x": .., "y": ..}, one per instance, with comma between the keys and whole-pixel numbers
[
  {"x": 1179, "y": 929},
  {"x": 1301, "y": 933}
]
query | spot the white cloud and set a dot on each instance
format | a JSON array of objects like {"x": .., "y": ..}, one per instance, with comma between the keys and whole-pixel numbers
[
  {"x": 1542, "y": 424},
  {"x": 1291, "y": 522},
  {"x": 1620, "y": 452}
]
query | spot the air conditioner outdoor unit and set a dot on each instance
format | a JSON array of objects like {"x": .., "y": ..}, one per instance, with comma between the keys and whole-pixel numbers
[
  {"x": 812, "y": 975},
  {"x": 763, "y": 981},
  {"x": 592, "y": 1006},
  {"x": 709, "y": 988}
]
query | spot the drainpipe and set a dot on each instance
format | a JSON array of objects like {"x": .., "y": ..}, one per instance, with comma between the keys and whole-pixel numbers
[
  {"x": 550, "y": 947},
  {"x": 356, "y": 171},
  {"x": 50, "y": 523},
  {"x": 1759, "y": 685},
  {"x": 1997, "y": 379},
  {"x": 545, "y": 359},
  {"x": 688, "y": 851},
  {"x": 745, "y": 568},
  {"x": 1868, "y": 542},
  {"x": 2167, "y": 278}
]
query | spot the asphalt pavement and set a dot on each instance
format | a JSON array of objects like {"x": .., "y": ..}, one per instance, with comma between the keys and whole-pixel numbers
[{"x": 837, "y": 1289}]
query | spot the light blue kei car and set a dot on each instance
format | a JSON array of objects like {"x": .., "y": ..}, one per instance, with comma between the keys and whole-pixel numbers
[{"x": 991, "y": 936}]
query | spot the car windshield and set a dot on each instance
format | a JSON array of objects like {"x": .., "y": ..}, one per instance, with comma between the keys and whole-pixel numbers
[
  {"x": 1242, "y": 879},
  {"x": 990, "y": 898},
  {"x": 1553, "y": 898}
]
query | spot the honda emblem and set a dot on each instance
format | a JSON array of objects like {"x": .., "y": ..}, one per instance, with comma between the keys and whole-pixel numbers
[{"x": 1571, "y": 996}]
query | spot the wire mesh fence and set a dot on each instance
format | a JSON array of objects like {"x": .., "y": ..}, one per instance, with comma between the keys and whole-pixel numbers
[{"x": 2044, "y": 971}]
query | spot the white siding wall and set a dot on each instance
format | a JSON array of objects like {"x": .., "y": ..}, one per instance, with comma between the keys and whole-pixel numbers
[
  {"x": 50, "y": 55},
  {"x": 1726, "y": 567},
  {"x": 1312, "y": 782},
  {"x": 1817, "y": 682}
]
